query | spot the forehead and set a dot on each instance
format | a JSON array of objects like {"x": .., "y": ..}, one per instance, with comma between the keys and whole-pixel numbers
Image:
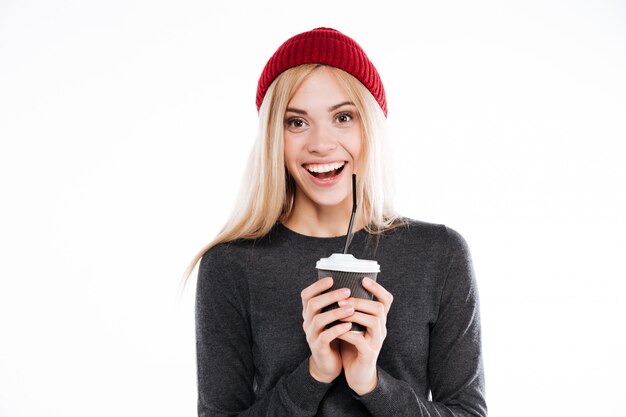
[{"x": 320, "y": 88}]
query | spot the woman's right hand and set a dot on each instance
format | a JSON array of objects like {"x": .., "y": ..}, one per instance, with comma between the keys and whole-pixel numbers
[{"x": 325, "y": 361}]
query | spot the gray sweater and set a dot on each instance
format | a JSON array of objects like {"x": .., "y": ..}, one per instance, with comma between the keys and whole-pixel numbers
[{"x": 253, "y": 356}]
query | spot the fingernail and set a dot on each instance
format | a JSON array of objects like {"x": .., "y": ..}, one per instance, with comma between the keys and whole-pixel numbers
[
  {"x": 367, "y": 281},
  {"x": 344, "y": 303},
  {"x": 345, "y": 292}
]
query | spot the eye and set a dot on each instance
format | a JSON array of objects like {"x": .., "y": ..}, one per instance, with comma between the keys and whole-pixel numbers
[
  {"x": 344, "y": 117},
  {"x": 295, "y": 123}
]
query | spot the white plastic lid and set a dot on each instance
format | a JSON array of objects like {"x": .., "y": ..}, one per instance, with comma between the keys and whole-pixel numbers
[{"x": 347, "y": 263}]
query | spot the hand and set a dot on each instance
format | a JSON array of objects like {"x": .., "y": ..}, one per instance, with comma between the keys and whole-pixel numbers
[
  {"x": 325, "y": 361},
  {"x": 359, "y": 351}
]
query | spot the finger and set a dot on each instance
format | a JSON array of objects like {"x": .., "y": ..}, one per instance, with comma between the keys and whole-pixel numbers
[
  {"x": 328, "y": 335},
  {"x": 357, "y": 340},
  {"x": 372, "y": 307},
  {"x": 379, "y": 292},
  {"x": 315, "y": 304},
  {"x": 320, "y": 321},
  {"x": 374, "y": 325},
  {"x": 316, "y": 288}
]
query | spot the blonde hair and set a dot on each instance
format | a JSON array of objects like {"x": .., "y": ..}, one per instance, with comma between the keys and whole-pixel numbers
[{"x": 266, "y": 195}]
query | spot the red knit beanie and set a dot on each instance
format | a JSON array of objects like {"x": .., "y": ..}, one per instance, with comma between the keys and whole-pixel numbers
[{"x": 323, "y": 46}]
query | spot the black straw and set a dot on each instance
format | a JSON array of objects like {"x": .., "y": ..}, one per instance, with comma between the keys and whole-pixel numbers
[{"x": 349, "y": 235}]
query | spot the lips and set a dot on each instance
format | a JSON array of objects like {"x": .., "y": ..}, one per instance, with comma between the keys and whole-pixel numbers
[{"x": 325, "y": 171}]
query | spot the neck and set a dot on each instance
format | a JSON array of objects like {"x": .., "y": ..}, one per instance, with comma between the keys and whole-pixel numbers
[{"x": 322, "y": 221}]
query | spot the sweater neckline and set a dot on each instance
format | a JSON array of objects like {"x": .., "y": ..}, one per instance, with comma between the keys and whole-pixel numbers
[{"x": 294, "y": 236}]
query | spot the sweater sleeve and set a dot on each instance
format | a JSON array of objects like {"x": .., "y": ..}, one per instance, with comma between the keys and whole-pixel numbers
[
  {"x": 225, "y": 365},
  {"x": 455, "y": 368}
]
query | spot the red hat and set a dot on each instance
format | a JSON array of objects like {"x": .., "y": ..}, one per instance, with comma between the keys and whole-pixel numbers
[{"x": 323, "y": 46}]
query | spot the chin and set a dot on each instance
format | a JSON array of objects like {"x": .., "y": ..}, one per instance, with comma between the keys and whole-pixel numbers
[
  {"x": 334, "y": 196},
  {"x": 329, "y": 200}
]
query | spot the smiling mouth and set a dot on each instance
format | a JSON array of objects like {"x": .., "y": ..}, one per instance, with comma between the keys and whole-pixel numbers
[{"x": 325, "y": 171}]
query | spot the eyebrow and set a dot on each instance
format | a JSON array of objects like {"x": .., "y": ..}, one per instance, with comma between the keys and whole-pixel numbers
[{"x": 330, "y": 109}]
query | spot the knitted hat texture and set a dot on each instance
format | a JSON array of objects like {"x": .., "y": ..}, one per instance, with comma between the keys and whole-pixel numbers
[{"x": 323, "y": 46}]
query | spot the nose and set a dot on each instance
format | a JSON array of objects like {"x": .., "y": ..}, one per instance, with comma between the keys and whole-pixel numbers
[{"x": 321, "y": 140}]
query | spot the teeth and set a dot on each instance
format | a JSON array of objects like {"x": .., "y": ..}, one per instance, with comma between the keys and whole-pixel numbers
[{"x": 321, "y": 168}]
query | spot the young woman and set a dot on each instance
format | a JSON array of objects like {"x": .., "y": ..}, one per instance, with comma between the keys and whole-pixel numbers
[{"x": 263, "y": 344}]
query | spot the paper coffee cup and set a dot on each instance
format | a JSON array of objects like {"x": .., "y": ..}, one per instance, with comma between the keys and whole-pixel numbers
[{"x": 348, "y": 272}]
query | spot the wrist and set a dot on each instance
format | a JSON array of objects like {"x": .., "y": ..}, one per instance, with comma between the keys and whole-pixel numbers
[
  {"x": 319, "y": 376},
  {"x": 366, "y": 387}
]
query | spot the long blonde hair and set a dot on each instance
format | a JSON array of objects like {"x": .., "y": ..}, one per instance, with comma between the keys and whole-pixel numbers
[{"x": 267, "y": 193}]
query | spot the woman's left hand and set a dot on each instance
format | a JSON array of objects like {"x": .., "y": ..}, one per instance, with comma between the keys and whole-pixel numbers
[{"x": 359, "y": 351}]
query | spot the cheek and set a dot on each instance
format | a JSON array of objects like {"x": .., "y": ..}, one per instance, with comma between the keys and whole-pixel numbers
[
  {"x": 354, "y": 146},
  {"x": 289, "y": 155}
]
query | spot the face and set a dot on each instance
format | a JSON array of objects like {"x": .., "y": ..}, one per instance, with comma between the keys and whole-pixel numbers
[{"x": 322, "y": 131}]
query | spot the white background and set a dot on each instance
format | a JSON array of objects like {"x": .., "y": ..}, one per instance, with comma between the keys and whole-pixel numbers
[{"x": 125, "y": 127}]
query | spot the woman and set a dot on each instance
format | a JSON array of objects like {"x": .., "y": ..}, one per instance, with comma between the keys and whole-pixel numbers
[{"x": 263, "y": 344}]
